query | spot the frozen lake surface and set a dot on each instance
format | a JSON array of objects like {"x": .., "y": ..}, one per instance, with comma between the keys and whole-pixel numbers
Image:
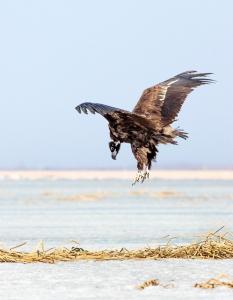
[{"x": 111, "y": 214}]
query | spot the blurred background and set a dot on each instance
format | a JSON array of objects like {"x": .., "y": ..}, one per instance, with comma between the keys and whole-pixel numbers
[{"x": 56, "y": 54}]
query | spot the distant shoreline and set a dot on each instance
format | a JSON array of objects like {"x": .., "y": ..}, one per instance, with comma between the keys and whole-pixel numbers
[{"x": 115, "y": 174}]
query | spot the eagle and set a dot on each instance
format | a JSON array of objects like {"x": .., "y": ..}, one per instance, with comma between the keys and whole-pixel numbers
[{"x": 149, "y": 123}]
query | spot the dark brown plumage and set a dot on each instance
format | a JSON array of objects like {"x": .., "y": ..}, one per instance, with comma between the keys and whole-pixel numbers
[{"x": 150, "y": 121}]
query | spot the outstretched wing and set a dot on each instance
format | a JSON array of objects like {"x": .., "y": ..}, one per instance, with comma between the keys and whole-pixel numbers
[
  {"x": 162, "y": 102},
  {"x": 106, "y": 111},
  {"x": 113, "y": 114},
  {"x": 129, "y": 122}
]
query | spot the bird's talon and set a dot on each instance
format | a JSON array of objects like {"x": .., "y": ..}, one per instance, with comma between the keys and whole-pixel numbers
[
  {"x": 137, "y": 179},
  {"x": 141, "y": 177}
]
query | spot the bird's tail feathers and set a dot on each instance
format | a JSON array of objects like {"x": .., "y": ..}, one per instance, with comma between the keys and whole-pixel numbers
[
  {"x": 181, "y": 133},
  {"x": 165, "y": 139}
]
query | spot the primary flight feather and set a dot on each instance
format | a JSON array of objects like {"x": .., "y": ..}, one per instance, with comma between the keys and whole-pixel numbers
[{"x": 149, "y": 124}]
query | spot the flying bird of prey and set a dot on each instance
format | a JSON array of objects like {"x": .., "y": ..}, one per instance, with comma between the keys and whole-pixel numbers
[{"x": 149, "y": 124}]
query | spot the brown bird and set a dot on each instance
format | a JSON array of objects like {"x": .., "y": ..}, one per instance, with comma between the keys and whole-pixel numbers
[{"x": 149, "y": 124}]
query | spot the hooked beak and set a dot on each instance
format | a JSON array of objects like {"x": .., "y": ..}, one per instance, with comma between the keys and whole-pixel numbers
[{"x": 114, "y": 154}]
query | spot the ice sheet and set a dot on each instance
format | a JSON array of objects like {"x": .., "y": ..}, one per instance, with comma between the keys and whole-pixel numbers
[{"x": 124, "y": 217}]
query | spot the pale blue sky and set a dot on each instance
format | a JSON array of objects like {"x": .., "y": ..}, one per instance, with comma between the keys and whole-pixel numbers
[{"x": 56, "y": 54}]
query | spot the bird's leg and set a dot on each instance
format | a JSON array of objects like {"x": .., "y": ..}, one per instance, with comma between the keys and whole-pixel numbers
[
  {"x": 138, "y": 177},
  {"x": 141, "y": 175},
  {"x": 145, "y": 174}
]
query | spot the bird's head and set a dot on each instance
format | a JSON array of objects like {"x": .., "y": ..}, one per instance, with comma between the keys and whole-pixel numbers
[{"x": 114, "y": 148}]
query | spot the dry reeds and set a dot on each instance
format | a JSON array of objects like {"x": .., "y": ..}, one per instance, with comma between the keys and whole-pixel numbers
[
  {"x": 215, "y": 282},
  {"x": 76, "y": 197},
  {"x": 145, "y": 284},
  {"x": 157, "y": 194},
  {"x": 154, "y": 282},
  {"x": 213, "y": 246}
]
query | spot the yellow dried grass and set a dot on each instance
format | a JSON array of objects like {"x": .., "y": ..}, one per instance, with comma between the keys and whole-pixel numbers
[
  {"x": 145, "y": 284},
  {"x": 157, "y": 194},
  {"x": 76, "y": 197},
  {"x": 215, "y": 282},
  {"x": 154, "y": 282},
  {"x": 213, "y": 246}
]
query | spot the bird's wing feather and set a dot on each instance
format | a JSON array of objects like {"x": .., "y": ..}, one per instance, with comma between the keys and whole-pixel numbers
[
  {"x": 129, "y": 121},
  {"x": 102, "y": 109},
  {"x": 113, "y": 114},
  {"x": 162, "y": 102}
]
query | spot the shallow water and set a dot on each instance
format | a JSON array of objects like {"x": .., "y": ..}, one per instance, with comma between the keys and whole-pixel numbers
[{"x": 111, "y": 214}]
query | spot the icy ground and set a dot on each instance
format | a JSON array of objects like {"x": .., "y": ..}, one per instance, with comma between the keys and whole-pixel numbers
[
  {"x": 112, "y": 280},
  {"x": 52, "y": 211}
]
